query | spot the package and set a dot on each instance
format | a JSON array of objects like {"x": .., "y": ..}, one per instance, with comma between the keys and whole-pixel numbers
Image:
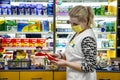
[
  {"x": 33, "y": 9},
  {"x": 21, "y": 64},
  {"x": 18, "y": 42},
  {"x": 25, "y": 42},
  {"x": 27, "y": 9},
  {"x": 41, "y": 42},
  {"x": 2, "y": 64},
  {"x": 3, "y": 25},
  {"x": 32, "y": 42},
  {"x": 6, "y": 42},
  {"x": 14, "y": 10},
  {"x": 22, "y": 26},
  {"x": 39, "y": 62},
  {"x": 45, "y": 26},
  {"x": 21, "y": 9},
  {"x": 34, "y": 26},
  {"x": 50, "y": 8},
  {"x": 11, "y": 25},
  {"x": 39, "y": 9}
]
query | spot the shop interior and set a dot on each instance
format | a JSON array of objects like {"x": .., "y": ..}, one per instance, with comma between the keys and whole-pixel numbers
[{"x": 29, "y": 27}]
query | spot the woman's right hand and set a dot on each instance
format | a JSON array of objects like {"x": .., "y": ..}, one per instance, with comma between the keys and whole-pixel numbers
[{"x": 55, "y": 55}]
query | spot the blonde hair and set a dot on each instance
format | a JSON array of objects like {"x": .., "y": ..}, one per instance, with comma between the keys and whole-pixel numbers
[{"x": 83, "y": 13}]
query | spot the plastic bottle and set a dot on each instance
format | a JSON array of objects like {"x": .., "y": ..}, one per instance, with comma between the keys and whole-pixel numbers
[
  {"x": 102, "y": 10},
  {"x": 45, "y": 26},
  {"x": 111, "y": 43}
]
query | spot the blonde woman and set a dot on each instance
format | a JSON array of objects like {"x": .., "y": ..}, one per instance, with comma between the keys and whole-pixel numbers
[{"x": 80, "y": 52}]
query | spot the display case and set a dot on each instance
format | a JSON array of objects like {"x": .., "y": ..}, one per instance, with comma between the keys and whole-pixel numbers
[
  {"x": 27, "y": 24},
  {"x": 24, "y": 26}
]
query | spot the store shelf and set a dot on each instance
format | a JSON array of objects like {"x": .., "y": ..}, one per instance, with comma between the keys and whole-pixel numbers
[
  {"x": 65, "y": 32},
  {"x": 2, "y": 32},
  {"x": 17, "y": 3},
  {"x": 94, "y": 32},
  {"x": 105, "y": 32},
  {"x": 99, "y": 49},
  {"x": 63, "y": 25},
  {"x": 97, "y": 17},
  {"x": 25, "y": 48},
  {"x": 84, "y": 3},
  {"x": 106, "y": 49},
  {"x": 27, "y": 17}
]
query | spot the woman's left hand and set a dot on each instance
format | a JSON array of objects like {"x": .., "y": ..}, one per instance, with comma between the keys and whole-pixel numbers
[{"x": 60, "y": 62}]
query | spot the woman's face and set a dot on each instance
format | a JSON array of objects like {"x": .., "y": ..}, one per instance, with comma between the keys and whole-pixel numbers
[{"x": 74, "y": 21}]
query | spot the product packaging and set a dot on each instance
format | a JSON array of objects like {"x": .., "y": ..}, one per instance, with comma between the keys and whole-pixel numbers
[
  {"x": 50, "y": 6},
  {"x": 25, "y": 42},
  {"x": 39, "y": 9},
  {"x": 33, "y": 9},
  {"x": 45, "y": 26},
  {"x": 14, "y": 10},
  {"x": 21, "y": 9},
  {"x": 27, "y": 9},
  {"x": 22, "y": 26}
]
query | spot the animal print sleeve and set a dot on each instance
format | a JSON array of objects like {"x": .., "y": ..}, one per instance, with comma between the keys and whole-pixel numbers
[{"x": 89, "y": 49}]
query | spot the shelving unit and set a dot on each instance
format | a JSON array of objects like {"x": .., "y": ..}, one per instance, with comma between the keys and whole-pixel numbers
[
  {"x": 59, "y": 40},
  {"x": 39, "y": 16},
  {"x": 60, "y": 28},
  {"x": 30, "y": 17}
]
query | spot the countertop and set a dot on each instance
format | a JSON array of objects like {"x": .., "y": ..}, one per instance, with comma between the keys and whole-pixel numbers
[{"x": 22, "y": 70}]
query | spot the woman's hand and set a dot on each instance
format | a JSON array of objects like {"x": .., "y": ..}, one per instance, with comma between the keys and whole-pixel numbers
[
  {"x": 55, "y": 55},
  {"x": 60, "y": 62}
]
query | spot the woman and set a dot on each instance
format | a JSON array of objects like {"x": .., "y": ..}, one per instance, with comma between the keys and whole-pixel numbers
[{"x": 80, "y": 52}]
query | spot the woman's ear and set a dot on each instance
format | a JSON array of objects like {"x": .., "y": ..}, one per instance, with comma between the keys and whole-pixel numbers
[{"x": 83, "y": 25}]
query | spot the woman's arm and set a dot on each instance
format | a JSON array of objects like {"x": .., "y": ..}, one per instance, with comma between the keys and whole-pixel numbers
[{"x": 89, "y": 49}]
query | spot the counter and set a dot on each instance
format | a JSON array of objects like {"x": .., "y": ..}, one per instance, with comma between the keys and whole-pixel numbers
[{"x": 51, "y": 75}]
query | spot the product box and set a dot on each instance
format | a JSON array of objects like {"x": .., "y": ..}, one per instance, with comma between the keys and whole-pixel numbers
[
  {"x": 2, "y": 64},
  {"x": 34, "y": 26},
  {"x": 41, "y": 42},
  {"x": 27, "y": 9},
  {"x": 4, "y": 10},
  {"x": 115, "y": 63},
  {"x": 3, "y": 25},
  {"x": 22, "y": 26},
  {"x": 18, "y": 42},
  {"x": 21, "y": 9},
  {"x": 50, "y": 8},
  {"x": 33, "y": 42},
  {"x": 39, "y": 9},
  {"x": 0, "y": 10},
  {"x": 6, "y": 42},
  {"x": 25, "y": 42},
  {"x": 21, "y": 64},
  {"x": 11, "y": 25},
  {"x": 33, "y": 9},
  {"x": 13, "y": 42},
  {"x": 45, "y": 26},
  {"x": 14, "y": 10},
  {"x": 9, "y": 10}
]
